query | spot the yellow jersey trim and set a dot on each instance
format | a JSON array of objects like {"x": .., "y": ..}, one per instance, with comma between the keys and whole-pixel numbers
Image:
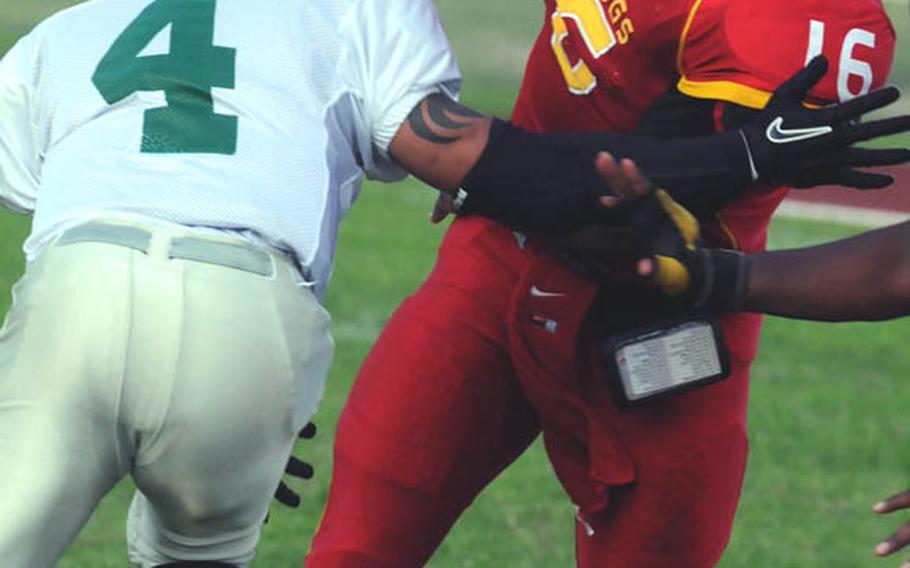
[
  {"x": 734, "y": 244},
  {"x": 725, "y": 91},
  {"x": 717, "y": 90},
  {"x": 684, "y": 36}
]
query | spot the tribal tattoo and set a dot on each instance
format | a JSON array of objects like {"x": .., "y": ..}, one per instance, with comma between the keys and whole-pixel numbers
[{"x": 438, "y": 112}]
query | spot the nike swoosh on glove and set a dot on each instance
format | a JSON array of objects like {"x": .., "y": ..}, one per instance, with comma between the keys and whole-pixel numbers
[{"x": 801, "y": 147}]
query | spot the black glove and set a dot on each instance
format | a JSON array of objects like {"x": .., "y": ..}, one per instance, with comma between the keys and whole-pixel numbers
[
  {"x": 296, "y": 468},
  {"x": 797, "y": 146},
  {"x": 682, "y": 274},
  {"x": 690, "y": 276}
]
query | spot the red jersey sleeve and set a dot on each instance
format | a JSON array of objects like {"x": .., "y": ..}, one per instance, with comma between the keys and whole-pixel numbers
[{"x": 741, "y": 50}]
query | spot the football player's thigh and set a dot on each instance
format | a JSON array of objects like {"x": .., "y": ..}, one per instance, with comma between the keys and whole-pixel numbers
[
  {"x": 210, "y": 459},
  {"x": 434, "y": 415},
  {"x": 58, "y": 437},
  {"x": 690, "y": 455}
]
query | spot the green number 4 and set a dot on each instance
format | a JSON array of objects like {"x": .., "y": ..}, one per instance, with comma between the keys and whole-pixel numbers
[{"x": 187, "y": 74}]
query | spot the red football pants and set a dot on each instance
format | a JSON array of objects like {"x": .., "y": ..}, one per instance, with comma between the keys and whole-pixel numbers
[{"x": 437, "y": 412}]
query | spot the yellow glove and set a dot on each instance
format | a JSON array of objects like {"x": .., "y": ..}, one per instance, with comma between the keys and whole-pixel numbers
[{"x": 670, "y": 273}]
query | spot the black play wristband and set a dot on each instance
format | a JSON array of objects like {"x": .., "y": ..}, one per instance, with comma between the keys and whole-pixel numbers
[{"x": 723, "y": 277}]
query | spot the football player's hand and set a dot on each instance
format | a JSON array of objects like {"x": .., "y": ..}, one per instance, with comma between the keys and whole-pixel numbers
[
  {"x": 900, "y": 538},
  {"x": 604, "y": 251},
  {"x": 623, "y": 178},
  {"x": 797, "y": 146},
  {"x": 296, "y": 468},
  {"x": 656, "y": 258},
  {"x": 686, "y": 273},
  {"x": 608, "y": 253}
]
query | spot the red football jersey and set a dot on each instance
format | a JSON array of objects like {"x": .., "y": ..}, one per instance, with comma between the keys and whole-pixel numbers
[
  {"x": 599, "y": 64},
  {"x": 740, "y": 50}
]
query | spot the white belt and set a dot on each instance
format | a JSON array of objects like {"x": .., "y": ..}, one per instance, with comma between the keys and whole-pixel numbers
[{"x": 240, "y": 256}]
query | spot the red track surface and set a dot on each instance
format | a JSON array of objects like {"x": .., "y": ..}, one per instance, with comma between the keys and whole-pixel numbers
[{"x": 895, "y": 198}]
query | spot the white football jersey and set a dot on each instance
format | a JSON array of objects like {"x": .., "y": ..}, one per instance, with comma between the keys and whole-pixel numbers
[{"x": 250, "y": 116}]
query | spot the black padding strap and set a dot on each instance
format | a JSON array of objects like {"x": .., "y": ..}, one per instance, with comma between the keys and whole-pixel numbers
[
  {"x": 548, "y": 182},
  {"x": 724, "y": 275}
]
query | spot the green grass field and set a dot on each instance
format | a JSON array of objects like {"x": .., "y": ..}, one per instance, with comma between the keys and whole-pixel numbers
[{"x": 829, "y": 425}]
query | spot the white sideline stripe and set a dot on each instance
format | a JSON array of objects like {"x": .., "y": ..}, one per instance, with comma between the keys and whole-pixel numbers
[{"x": 858, "y": 216}]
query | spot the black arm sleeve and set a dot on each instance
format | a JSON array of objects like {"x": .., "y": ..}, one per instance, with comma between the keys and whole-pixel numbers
[{"x": 548, "y": 182}]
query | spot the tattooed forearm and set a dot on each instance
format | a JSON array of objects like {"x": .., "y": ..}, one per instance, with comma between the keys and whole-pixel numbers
[
  {"x": 440, "y": 107},
  {"x": 438, "y": 119}
]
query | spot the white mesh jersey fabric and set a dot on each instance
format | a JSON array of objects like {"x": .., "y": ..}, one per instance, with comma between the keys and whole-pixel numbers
[{"x": 320, "y": 88}]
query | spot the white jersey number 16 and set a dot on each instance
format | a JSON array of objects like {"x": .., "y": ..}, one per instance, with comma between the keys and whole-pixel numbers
[{"x": 848, "y": 65}]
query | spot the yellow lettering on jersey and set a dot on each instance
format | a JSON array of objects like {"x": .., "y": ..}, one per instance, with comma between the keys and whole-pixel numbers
[
  {"x": 625, "y": 31},
  {"x": 617, "y": 9},
  {"x": 592, "y": 24},
  {"x": 578, "y": 77},
  {"x": 593, "y": 18}
]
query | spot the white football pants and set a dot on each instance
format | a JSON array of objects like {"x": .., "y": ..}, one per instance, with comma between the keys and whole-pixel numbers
[{"x": 191, "y": 376}]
